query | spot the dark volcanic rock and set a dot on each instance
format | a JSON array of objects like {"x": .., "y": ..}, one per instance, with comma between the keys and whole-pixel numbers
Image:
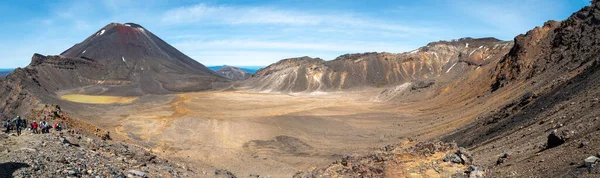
[
  {"x": 129, "y": 52},
  {"x": 548, "y": 80},
  {"x": 475, "y": 172},
  {"x": 502, "y": 159},
  {"x": 557, "y": 138},
  {"x": 452, "y": 157},
  {"x": 461, "y": 156}
]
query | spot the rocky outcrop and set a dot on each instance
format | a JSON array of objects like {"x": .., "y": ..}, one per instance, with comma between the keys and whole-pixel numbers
[
  {"x": 421, "y": 159},
  {"x": 556, "y": 48},
  {"x": 39, "y": 82},
  {"x": 47, "y": 155},
  {"x": 233, "y": 73},
  {"x": 355, "y": 71},
  {"x": 548, "y": 81}
]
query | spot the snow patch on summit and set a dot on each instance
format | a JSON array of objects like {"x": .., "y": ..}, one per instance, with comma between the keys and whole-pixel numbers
[{"x": 101, "y": 32}]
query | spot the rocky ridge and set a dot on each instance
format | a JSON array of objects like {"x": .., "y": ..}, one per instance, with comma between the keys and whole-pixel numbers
[{"x": 373, "y": 70}]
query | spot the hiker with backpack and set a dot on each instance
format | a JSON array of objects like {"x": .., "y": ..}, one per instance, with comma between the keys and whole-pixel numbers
[
  {"x": 34, "y": 127},
  {"x": 18, "y": 121},
  {"x": 44, "y": 126},
  {"x": 7, "y": 125}
]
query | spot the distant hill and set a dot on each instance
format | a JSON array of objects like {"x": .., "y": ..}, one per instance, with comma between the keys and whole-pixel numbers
[
  {"x": 4, "y": 72},
  {"x": 233, "y": 73},
  {"x": 249, "y": 69},
  {"x": 447, "y": 59}
]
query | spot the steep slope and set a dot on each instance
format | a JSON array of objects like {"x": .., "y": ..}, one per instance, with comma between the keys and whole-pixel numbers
[
  {"x": 38, "y": 83},
  {"x": 131, "y": 53},
  {"x": 356, "y": 71},
  {"x": 120, "y": 59},
  {"x": 233, "y": 73},
  {"x": 547, "y": 82}
]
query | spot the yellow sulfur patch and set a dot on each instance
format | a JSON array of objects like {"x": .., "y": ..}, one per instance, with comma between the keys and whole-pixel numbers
[{"x": 94, "y": 99}]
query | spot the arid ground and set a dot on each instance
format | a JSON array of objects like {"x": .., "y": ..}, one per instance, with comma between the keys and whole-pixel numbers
[{"x": 257, "y": 133}]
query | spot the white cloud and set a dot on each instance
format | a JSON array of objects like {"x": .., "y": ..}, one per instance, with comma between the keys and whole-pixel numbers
[
  {"x": 255, "y": 52},
  {"x": 234, "y": 15},
  {"x": 279, "y": 45},
  {"x": 295, "y": 33},
  {"x": 250, "y": 57},
  {"x": 338, "y": 47}
]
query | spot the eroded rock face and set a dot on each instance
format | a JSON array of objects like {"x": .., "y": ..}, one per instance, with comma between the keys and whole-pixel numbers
[
  {"x": 547, "y": 81},
  {"x": 24, "y": 88},
  {"x": 355, "y": 71},
  {"x": 555, "y": 47}
]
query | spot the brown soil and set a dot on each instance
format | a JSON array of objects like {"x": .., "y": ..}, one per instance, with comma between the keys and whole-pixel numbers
[{"x": 266, "y": 134}]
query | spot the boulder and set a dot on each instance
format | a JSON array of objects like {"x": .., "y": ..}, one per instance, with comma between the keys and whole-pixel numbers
[
  {"x": 28, "y": 150},
  {"x": 465, "y": 156},
  {"x": 224, "y": 173},
  {"x": 475, "y": 172},
  {"x": 505, "y": 156},
  {"x": 73, "y": 173},
  {"x": 501, "y": 161},
  {"x": 137, "y": 173},
  {"x": 583, "y": 144},
  {"x": 557, "y": 138},
  {"x": 64, "y": 141},
  {"x": 452, "y": 157},
  {"x": 591, "y": 161},
  {"x": 461, "y": 156}
]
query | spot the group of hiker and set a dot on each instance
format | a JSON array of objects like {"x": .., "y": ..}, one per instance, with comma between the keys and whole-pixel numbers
[{"x": 19, "y": 124}]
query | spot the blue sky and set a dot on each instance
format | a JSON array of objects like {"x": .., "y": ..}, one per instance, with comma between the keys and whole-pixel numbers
[{"x": 253, "y": 33}]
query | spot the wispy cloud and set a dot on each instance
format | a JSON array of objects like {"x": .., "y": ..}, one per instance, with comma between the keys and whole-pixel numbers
[
  {"x": 236, "y": 15},
  {"x": 240, "y": 15},
  {"x": 253, "y": 52},
  {"x": 259, "y": 33},
  {"x": 355, "y": 46},
  {"x": 249, "y": 57}
]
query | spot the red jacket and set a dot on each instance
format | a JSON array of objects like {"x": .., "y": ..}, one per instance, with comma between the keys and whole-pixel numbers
[{"x": 35, "y": 125}]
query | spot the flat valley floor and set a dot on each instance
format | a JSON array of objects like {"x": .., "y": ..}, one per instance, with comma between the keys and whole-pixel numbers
[{"x": 267, "y": 134}]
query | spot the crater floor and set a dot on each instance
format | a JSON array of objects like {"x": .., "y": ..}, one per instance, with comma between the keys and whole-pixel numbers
[{"x": 257, "y": 133}]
